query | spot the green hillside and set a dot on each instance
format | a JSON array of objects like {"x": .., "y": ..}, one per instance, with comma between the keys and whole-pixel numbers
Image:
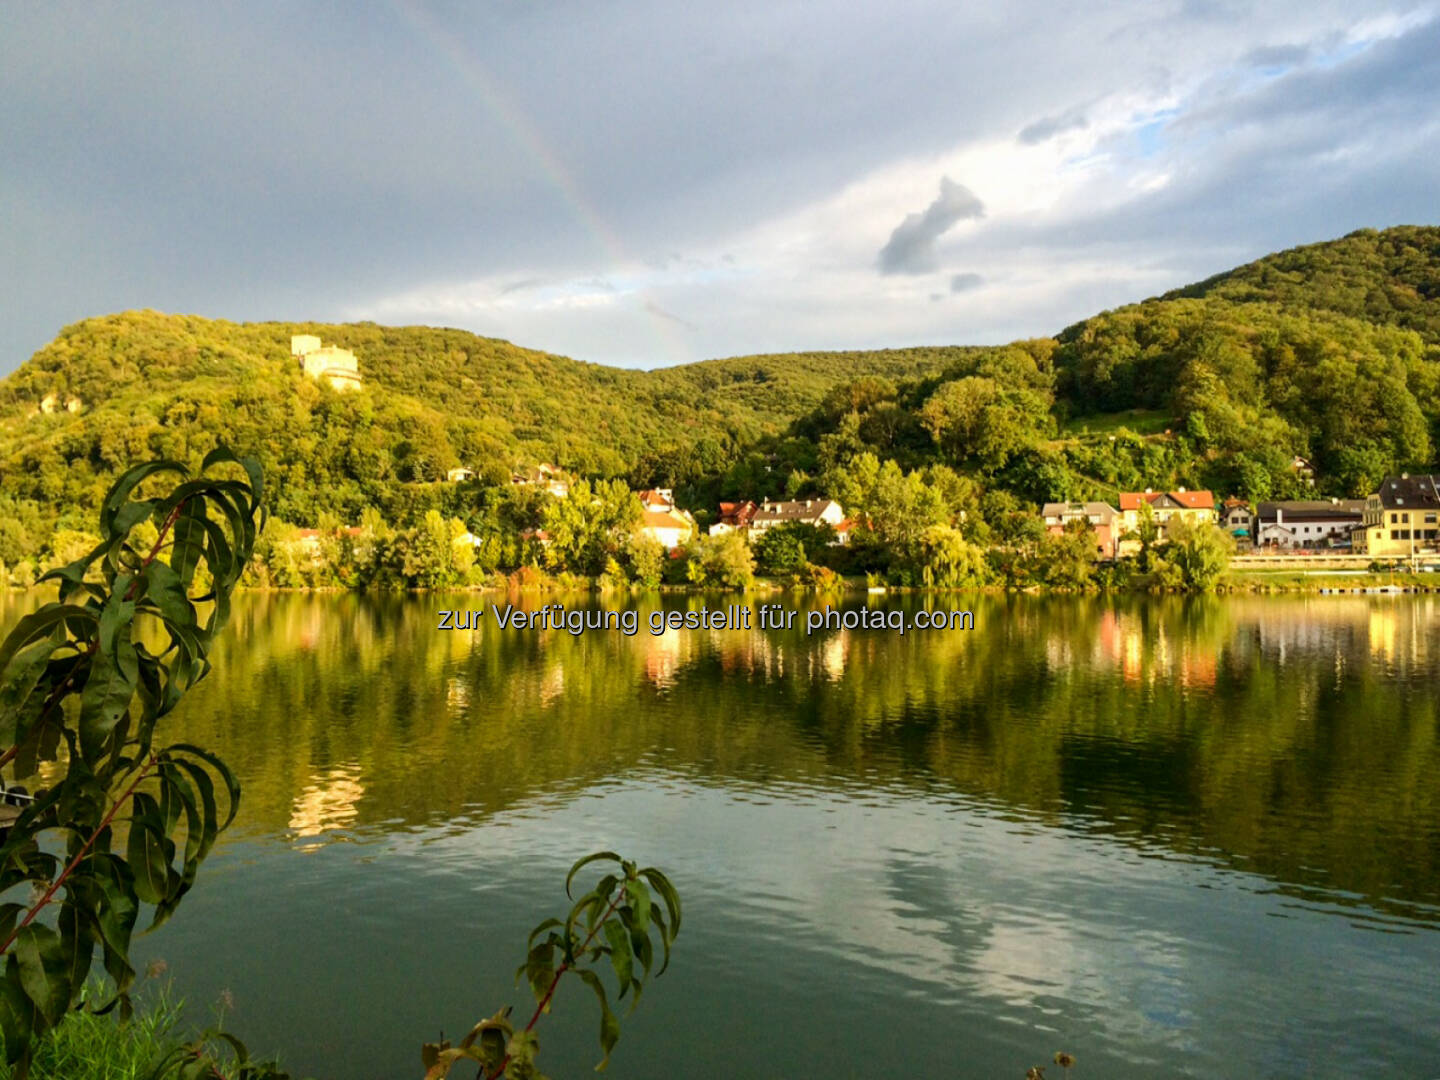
[
  {"x": 1329, "y": 352},
  {"x": 148, "y": 383},
  {"x": 1390, "y": 277}
]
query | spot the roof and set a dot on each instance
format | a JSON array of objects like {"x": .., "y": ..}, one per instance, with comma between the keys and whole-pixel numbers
[
  {"x": 798, "y": 510},
  {"x": 1412, "y": 490},
  {"x": 1235, "y": 502},
  {"x": 664, "y": 519},
  {"x": 1311, "y": 509},
  {"x": 737, "y": 513},
  {"x": 657, "y": 497},
  {"x": 1104, "y": 511},
  {"x": 1188, "y": 500}
]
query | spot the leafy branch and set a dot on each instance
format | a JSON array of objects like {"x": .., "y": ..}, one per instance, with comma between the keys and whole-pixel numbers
[
  {"x": 128, "y": 635},
  {"x": 619, "y": 919}
]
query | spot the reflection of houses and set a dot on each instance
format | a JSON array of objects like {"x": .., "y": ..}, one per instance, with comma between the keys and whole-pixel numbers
[
  {"x": 329, "y": 802},
  {"x": 1098, "y": 515},
  {"x": 330, "y": 363},
  {"x": 1308, "y": 524},
  {"x": 1402, "y": 518}
]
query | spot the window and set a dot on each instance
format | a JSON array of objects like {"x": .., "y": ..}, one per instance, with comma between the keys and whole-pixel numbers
[
  {"x": 1394, "y": 519},
  {"x": 1405, "y": 519},
  {"x": 1394, "y": 534}
]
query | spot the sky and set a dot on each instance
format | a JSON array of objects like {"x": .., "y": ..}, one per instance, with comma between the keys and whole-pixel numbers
[{"x": 644, "y": 183}]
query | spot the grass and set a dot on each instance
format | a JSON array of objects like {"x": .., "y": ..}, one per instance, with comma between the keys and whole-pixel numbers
[
  {"x": 1138, "y": 421},
  {"x": 93, "y": 1047},
  {"x": 1266, "y": 579}
]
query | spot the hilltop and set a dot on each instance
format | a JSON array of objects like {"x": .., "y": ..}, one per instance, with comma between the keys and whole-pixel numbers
[{"x": 1390, "y": 277}]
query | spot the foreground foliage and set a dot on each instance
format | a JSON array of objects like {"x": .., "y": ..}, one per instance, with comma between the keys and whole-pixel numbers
[
  {"x": 618, "y": 919},
  {"x": 129, "y": 634}
]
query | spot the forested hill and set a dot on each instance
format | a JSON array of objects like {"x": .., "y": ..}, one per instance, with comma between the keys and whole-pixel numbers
[
  {"x": 146, "y": 383},
  {"x": 1329, "y": 352},
  {"x": 1390, "y": 277}
]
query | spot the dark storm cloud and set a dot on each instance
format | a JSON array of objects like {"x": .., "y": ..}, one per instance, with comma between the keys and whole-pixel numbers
[{"x": 911, "y": 247}]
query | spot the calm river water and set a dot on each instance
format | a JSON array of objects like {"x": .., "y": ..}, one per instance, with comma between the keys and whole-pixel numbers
[{"x": 1170, "y": 837}]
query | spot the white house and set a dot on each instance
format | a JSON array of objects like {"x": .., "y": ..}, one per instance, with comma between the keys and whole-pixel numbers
[
  {"x": 671, "y": 527},
  {"x": 1308, "y": 523},
  {"x": 801, "y": 511}
]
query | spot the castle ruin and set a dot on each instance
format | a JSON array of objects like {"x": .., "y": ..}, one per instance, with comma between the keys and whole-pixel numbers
[{"x": 330, "y": 363}]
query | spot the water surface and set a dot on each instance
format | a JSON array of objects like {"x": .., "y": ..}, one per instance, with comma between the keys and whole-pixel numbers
[{"x": 1173, "y": 837}]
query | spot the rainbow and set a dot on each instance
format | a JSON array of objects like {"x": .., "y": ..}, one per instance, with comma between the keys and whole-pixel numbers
[{"x": 528, "y": 138}]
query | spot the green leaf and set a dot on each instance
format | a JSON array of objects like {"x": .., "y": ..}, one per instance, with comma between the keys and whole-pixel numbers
[
  {"x": 145, "y": 850},
  {"x": 609, "y": 1026},
  {"x": 540, "y": 970},
  {"x": 39, "y": 624},
  {"x": 620, "y": 957},
  {"x": 189, "y": 541},
  {"x": 40, "y": 957},
  {"x": 232, "y": 786},
  {"x": 665, "y": 939},
  {"x": 113, "y": 674},
  {"x": 640, "y": 902},
  {"x": 667, "y": 893},
  {"x": 587, "y": 860},
  {"x": 126, "y": 483}
]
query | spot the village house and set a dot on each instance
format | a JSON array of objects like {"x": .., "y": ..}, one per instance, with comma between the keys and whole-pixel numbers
[
  {"x": 672, "y": 528},
  {"x": 1402, "y": 518},
  {"x": 1237, "y": 518},
  {"x": 657, "y": 499},
  {"x": 1314, "y": 523},
  {"x": 458, "y": 475},
  {"x": 734, "y": 517},
  {"x": 1102, "y": 517},
  {"x": 329, "y": 363},
  {"x": 1195, "y": 507},
  {"x": 548, "y": 477},
  {"x": 801, "y": 511}
]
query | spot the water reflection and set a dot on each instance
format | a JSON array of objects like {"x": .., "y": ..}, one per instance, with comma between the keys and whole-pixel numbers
[{"x": 1157, "y": 827}]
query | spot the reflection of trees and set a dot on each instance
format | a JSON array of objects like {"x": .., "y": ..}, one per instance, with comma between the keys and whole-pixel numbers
[{"x": 1295, "y": 736}]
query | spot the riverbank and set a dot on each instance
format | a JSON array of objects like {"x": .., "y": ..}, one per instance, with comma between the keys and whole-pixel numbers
[
  {"x": 1269, "y": 579},
  {"x": 105, "y": 1048}
]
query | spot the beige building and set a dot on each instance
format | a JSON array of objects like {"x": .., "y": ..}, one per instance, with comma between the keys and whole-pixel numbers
[
  {"x": 1102, "y": 517},
  {"x": 672, "y": 528},
  {"x": 330, "y": 363},
  {"x": 1402, "y": 518}
]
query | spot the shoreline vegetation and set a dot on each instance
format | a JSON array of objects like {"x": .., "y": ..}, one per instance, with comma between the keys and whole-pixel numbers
[{"x": 1244, "y": 582}]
